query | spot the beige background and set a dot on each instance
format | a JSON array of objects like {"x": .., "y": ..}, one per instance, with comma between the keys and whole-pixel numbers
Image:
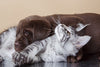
[{"x": 11, "y": 11}]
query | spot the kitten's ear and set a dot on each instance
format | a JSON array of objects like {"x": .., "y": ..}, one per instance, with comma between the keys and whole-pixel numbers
[
  {"x": 59, "y": 34},
  {"x": 62, "y": 32},
  {"x": 81, "y": 41},
  {"x": 81, "y": 26}
]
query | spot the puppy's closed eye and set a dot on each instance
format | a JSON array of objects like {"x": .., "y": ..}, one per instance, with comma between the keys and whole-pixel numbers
[{"x": 27, "y": 33}]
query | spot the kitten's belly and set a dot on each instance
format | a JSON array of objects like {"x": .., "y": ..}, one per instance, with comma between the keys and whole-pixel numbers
[
  {"x": 53, "y": 54},
  {"x": 47, "y": 57}
]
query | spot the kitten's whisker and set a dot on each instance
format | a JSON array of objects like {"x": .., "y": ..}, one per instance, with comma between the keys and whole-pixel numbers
[
  {"x": 59, "y": 20},
  {"x": 55, "y": 20}
]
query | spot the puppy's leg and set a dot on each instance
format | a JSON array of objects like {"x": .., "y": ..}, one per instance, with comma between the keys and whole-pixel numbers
[
  {"x": 99, "y": 57},
  {"x": 78, "y": 57}
]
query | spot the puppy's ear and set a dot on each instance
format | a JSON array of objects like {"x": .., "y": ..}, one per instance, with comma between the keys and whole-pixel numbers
[
  {"x": 81, "y": 41},
  {"x": 40, "y": 28}
]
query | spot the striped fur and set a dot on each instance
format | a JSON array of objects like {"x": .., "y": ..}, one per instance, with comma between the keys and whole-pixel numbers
[{"x": 52, "y": 49}]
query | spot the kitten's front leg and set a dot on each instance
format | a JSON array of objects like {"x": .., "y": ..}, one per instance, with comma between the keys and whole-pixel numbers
[
  {"x": 22, "y": 58},
  {"x": 28, "y": 55},
  {"x": 19, "y": 58}
]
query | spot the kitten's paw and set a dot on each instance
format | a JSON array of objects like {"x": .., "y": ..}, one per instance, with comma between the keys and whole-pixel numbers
[
  {"x": 19, "y": 58},
  {"x": 1, "y": 59}
]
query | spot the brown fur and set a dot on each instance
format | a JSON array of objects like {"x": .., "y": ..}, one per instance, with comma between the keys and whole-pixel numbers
[
  {"x": 42, "y": 27},
  {"x": 38, "y": 28}
]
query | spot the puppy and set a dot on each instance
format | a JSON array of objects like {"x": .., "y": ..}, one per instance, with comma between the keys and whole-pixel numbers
[{"x": 35, "y": 28}]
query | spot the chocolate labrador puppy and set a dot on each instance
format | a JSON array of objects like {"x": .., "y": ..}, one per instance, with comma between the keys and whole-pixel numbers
[{"x": 35, "y": 28}]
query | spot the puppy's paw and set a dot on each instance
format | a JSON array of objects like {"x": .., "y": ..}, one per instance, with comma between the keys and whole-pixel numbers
[
  {"x": 20, "y": 58},
  {"x": 78, "y": 57},
  {"x": 1, "y": 59},
  {"x": 99, "y": 58},
  {"x": 73, "y": 59}
]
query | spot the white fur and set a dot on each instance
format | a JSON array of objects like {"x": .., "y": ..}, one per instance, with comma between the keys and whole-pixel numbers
[
  {"x": 7, "y": 40},
  {"x": 81, "y": 26},
  {"x": 54, "y": 49},
  {"x": 57, "y": 50}
]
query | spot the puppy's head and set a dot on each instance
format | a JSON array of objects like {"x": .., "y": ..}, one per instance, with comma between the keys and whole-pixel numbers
[{"x": 29, "y": 31}]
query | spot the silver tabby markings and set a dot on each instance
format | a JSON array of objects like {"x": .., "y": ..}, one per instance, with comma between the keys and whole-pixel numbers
[{"x": 53, "y": 49}]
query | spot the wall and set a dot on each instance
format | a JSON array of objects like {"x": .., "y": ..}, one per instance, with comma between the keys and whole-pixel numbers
[{"x": 11, "y": 11}]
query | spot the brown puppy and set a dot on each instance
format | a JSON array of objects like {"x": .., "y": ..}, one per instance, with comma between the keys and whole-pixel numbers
[
  {"x": 36, "y": 28},
  {"x": 31, "y": 29}
]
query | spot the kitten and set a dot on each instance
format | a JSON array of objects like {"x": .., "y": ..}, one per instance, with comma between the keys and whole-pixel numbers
[{"x": 53, "y": 49}]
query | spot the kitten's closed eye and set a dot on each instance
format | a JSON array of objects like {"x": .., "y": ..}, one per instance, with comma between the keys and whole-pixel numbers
[{"x": 65, "y": 29}]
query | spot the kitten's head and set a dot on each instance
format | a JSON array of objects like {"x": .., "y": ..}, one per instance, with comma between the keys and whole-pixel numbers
[
  {"x": 63, "y": 32},
  {"x": 67, "y": 36}
]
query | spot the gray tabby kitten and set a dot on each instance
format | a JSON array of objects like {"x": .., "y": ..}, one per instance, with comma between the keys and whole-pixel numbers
[{"x": 55, "y": 48}]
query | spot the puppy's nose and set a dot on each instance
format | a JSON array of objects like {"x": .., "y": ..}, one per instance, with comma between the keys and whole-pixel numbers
[{"x": 16, "y": 44}]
